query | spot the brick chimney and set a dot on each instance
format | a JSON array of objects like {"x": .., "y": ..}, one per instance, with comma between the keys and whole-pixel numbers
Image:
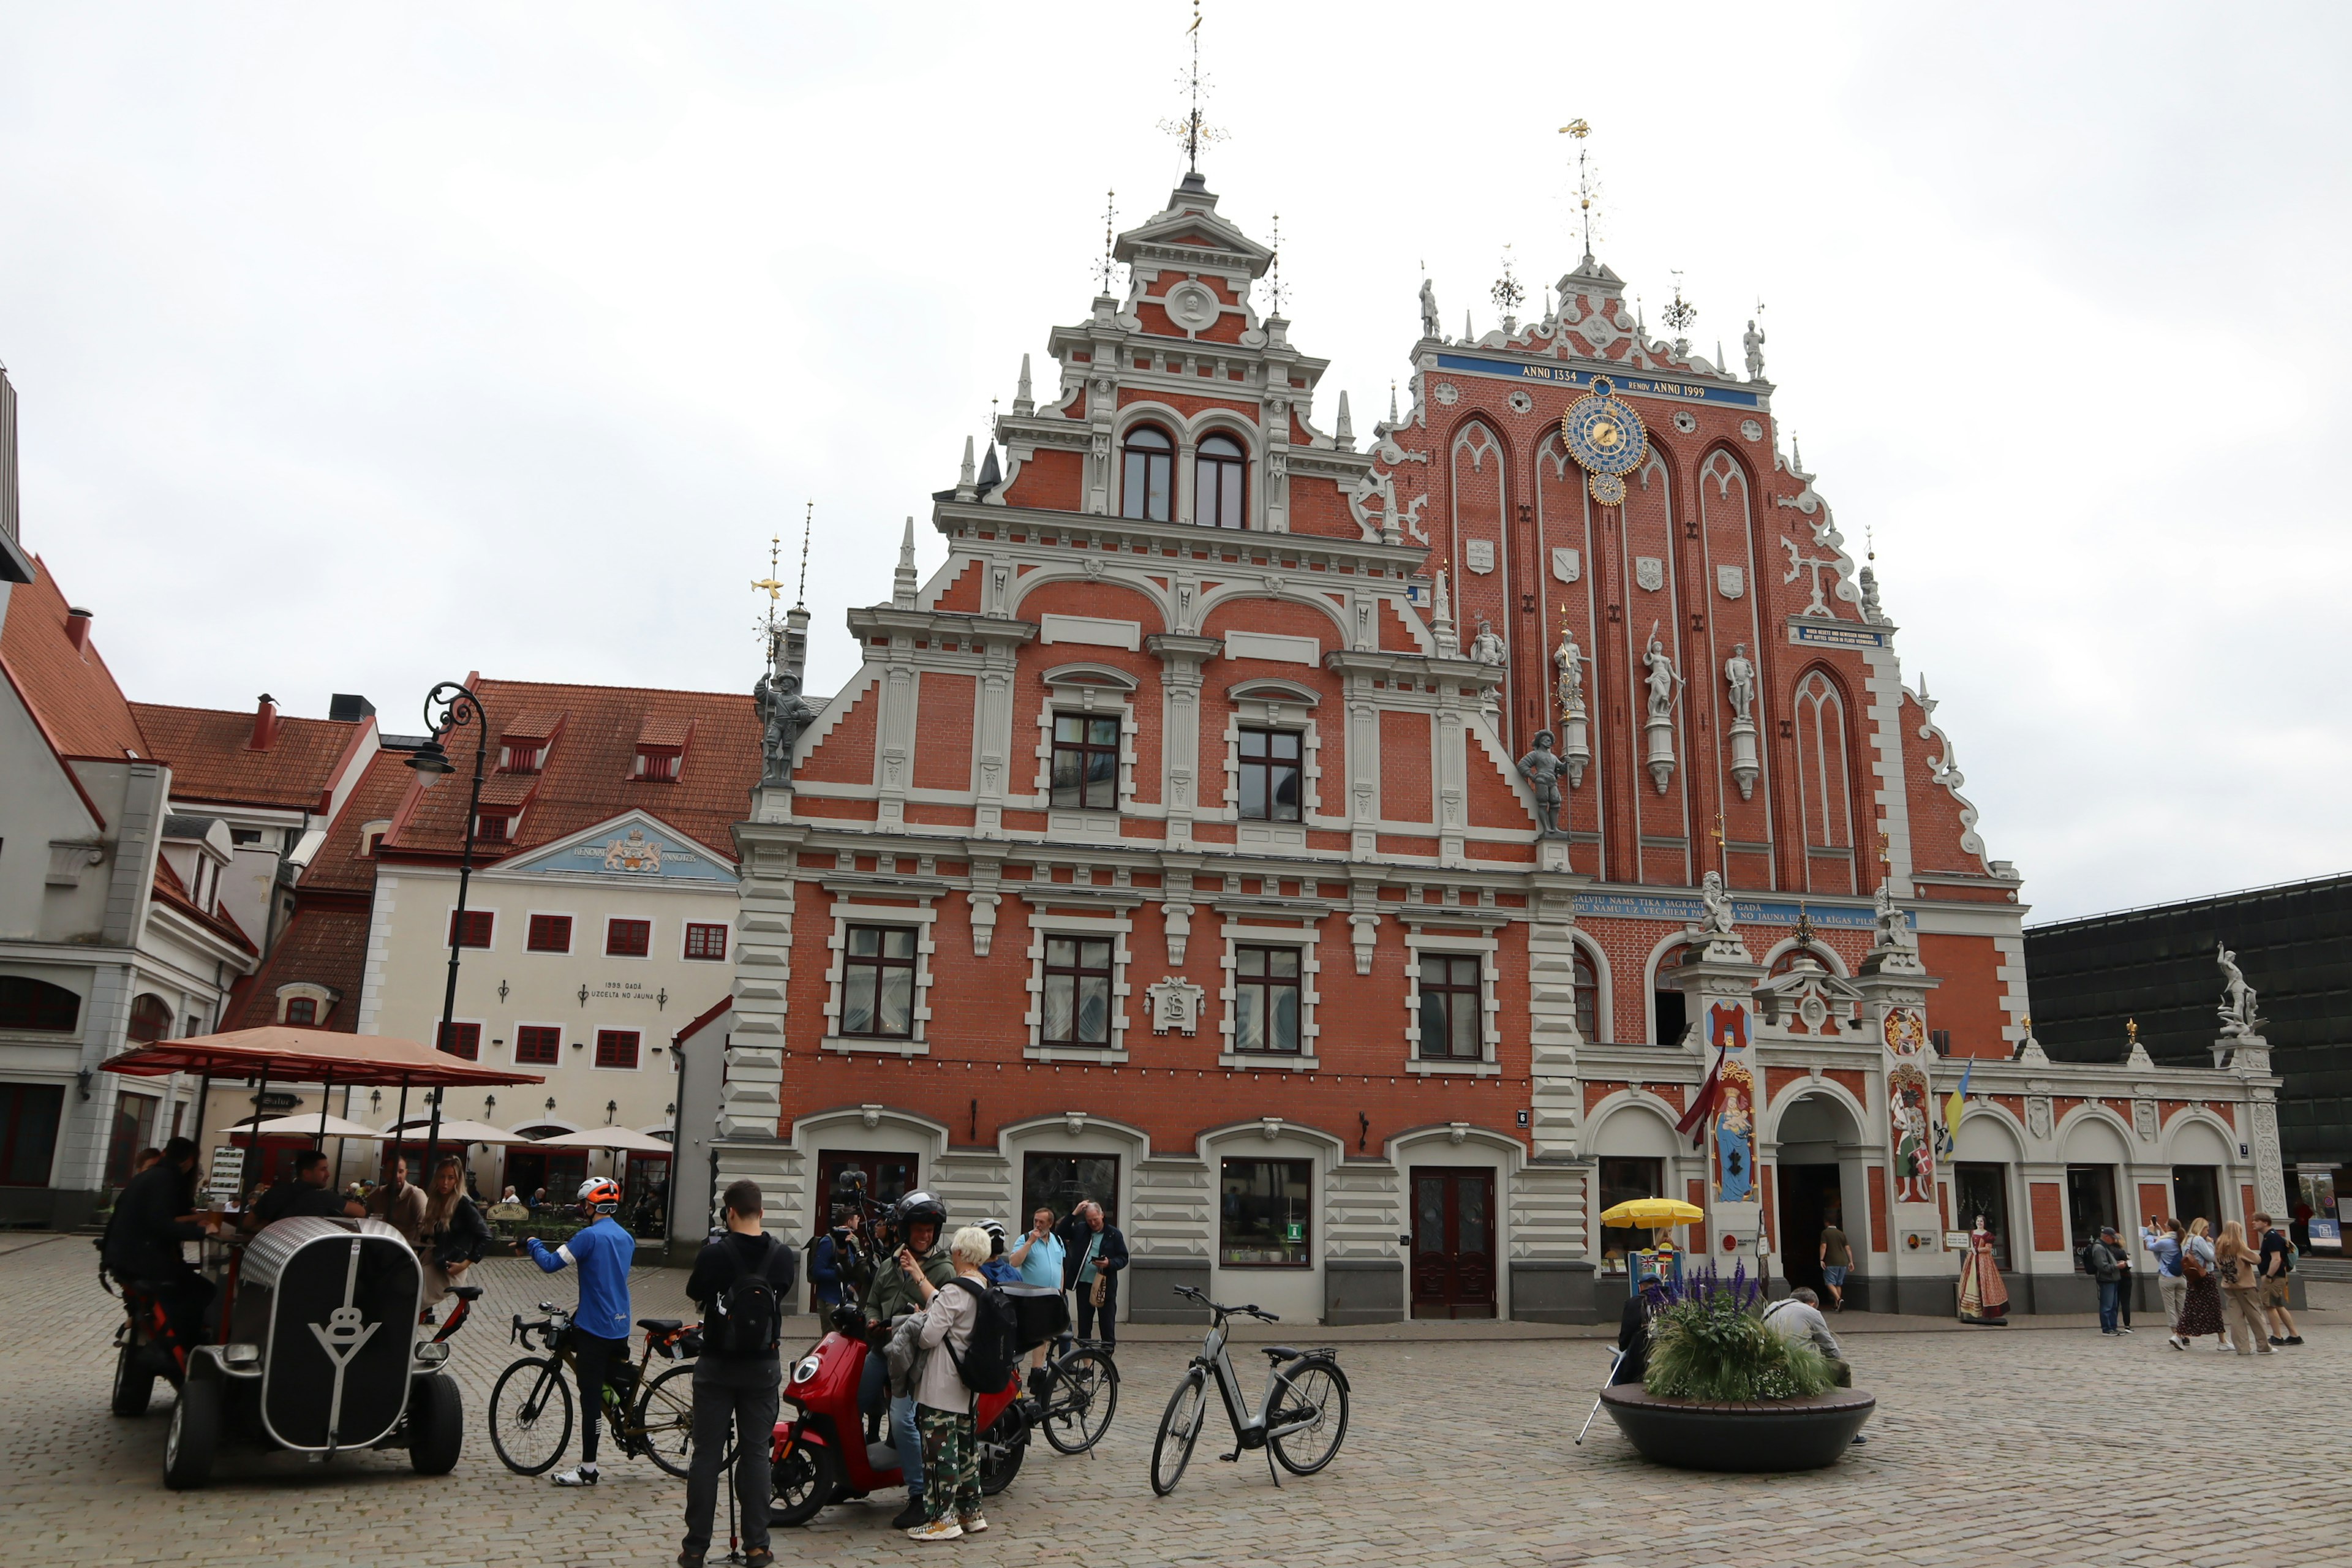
[
  {"x": 265, "y": 725},
  {"x": 77, "y": 628}
]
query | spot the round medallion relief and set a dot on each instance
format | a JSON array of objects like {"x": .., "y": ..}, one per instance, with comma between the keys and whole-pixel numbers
[
  {"x": 1521, "y": 403},
  {"x": 1751, "y": 429},
  {"x": 1192, "y": 305},
  {"x": 1686, "y": 421}
]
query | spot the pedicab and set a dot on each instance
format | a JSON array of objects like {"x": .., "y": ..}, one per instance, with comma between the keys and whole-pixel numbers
[{"x": 315, "y": 1348}]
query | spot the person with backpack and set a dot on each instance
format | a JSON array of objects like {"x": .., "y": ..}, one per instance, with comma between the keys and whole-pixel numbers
[
  {"x": 2277, "y": 1262},
  {"x": 967, "y": 1335},
  {"x": 742, "y": 1281}
]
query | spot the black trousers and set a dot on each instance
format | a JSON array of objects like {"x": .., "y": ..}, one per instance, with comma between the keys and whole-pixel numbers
[
  {"x": 745, "y": 1414},
  {"x": 594, "y": 1356},
  {"x": 1109, "y": 1309}
]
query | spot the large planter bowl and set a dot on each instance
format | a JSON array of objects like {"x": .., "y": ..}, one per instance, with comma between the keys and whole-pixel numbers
[{"x": 1778, "y": 1435}]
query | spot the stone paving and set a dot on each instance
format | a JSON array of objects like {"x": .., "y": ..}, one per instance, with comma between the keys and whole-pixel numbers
[{"x": 2027, "y": 1445}]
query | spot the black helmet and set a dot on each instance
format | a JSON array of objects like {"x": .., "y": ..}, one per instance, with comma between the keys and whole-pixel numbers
[{"x": 917, "y": 1208}]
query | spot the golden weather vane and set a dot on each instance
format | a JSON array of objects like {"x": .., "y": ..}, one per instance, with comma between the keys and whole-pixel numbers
[
  {"x": 1584, "y": 191},
  {"x": 1193, "y": 130},
  {"x": 775, "y": 587}
]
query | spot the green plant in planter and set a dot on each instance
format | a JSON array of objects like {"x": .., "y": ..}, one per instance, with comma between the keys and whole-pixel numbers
[{"x": 1709, "y": 1342}]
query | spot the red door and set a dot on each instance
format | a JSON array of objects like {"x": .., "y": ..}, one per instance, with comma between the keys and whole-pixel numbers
[{"x": 1453, "y": 1243}]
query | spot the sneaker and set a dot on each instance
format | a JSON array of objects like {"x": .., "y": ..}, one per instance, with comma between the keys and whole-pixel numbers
[
  {"x": 1859, "y": 1439},
  {"x": 943, "y": 1529},
  {"x": 973, "y": 1523},
  {"x": 2123, "y": 1330},
  {"x": 2295, "y": 1339},
  {"x": 2177, "y": 1342},
  {"x": 689, "y": 1560},
  {"x": 763, "y": 1558},
  {"x": 2276, "y": 1341},
  {"x": 585, "y": 1476},
  {"x": 911, "y": 1516}
]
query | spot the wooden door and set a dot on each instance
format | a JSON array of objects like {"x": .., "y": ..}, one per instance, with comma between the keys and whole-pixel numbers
[{"x": 1452, "y": 1242}]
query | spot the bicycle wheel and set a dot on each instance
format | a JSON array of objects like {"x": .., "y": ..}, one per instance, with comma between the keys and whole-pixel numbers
[
  {"x": 665, "y": 1419},
  {"x": 1311, "y": 1398},
  {"x": 531, "y": 1415},
  {"x": 1081, "y": 1394},
  {"x": 1180, "y": 1429}
]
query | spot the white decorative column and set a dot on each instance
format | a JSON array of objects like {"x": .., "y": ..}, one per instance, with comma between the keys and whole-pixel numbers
[
  {"x": 1180, "y": 659},
  {"x": 1718, "y": 978},
  {"x": 1895, "y": 987}
]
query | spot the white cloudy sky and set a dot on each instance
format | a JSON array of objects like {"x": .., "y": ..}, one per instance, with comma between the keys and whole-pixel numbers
[{"x": 361, "y": 346}]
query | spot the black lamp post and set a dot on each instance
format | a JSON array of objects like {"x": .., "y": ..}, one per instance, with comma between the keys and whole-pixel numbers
[{"x": 449, "y": 707}]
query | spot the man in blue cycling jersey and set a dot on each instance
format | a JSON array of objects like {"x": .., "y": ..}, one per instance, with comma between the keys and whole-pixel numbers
[{"x": 603, "y": 1253}]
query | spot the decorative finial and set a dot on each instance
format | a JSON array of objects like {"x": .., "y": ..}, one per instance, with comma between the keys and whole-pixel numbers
[
  {"x": 1585, "y": 191},
  {"x": 1274, "y": 269},
  {"x": 1024, "y": 403},
  {"x": 2131, "y": 1030},
  {"x": 773, "y": 587},
  {"x": 968, "y": 481},
  {"x": 1108, "y": 264},
  {"x": 1392, "y": 409},
  {"x": 1718, "y": 844},
  {"x": 903, "y": 583},
  {"x": 1804, "y": 933},
  {"x": 1506, "y": 294},
  {"x": 991, "y": 420},
  {"x": 1345, "y": 433},
  {"x": 808, "y": 523},
  {"x": 1192, "y": 130},
  {"x": 1678, "y": 315}
]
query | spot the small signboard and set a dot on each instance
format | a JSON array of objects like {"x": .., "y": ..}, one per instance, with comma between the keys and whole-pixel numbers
[
  {"x": 227, "y": 1174},
  {"x": 1295, "y": 1231},
  {"x": 1955, "y": 1241},
  {"x": 2326, "y": 1233}
]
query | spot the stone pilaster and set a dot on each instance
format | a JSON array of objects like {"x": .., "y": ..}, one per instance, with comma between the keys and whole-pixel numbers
[{"x": 1718, "y": 978}]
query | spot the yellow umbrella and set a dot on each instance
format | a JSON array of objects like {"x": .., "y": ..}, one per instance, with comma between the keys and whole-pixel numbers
[{"x": 1653, "y": 1214}]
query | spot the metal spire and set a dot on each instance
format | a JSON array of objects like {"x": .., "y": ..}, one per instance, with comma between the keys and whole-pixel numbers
[
  {"x": 1274, "y": 269},
  {"x": 1584, "y": 191},
  {"x": 1109, "y": 265},
  {"x": 808, "y": 521},
  {"x": 1193, "y": 130}
]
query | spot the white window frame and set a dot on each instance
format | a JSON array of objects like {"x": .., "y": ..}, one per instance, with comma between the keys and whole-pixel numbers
[
  {"x": 1274, "y": 713},
  {"x": 1046, "y": 923},
  {"x": 308, "y": 990},
  {"x": 1095, "y": 691},
  {"x": 1454, "y": 945},
  {"x": 1307, "y": 935},
  {"x": 847, "y": 913}
]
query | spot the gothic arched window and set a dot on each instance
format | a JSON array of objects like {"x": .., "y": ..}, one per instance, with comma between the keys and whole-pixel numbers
[
  {"x": 1587, "y": 999},
  {"x": 1823, "y": 790},
  {"x": 1149, "y": 476},
  {"x": 1217, "y": 487}
]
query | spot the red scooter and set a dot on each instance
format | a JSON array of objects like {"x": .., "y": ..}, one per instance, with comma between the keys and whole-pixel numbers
[{"x": 822, "y": 1456}]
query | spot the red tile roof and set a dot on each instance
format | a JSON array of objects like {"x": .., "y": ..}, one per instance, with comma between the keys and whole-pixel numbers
[
  {"x": 343, "y": 864},
  {"x": 169, "y": 889},
  {"x": 531, "y": 724},
  {"x": 663, "y": 730},
  {"x": 324, "y": 946},
  {"x": 212, "y": 760},
  {"x": 585, "y": 776},
  {"x": 71, "y": 692}
]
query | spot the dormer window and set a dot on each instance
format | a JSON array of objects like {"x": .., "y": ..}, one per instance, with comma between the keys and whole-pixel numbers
[
  {"x": 519, "y": 756},
  {"x": 1217, "y": 484},
  {"x": 1149, "y": 470},
  {"x": 657, "y": 764},
  {"x": 661, "y": 748},
  {"x": 524, "y": 739},
  {"x": 494, "y": 827}
]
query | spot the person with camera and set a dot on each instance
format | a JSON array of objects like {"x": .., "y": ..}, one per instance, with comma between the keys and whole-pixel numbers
[
  {"x": 741, "y": 1281},
  {"x": 916, "y": 1221}
]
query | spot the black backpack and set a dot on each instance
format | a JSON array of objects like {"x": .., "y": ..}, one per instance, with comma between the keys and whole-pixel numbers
[
  {"x": 988, "y": 1361},
  {"x": 746, "y": 1318}
]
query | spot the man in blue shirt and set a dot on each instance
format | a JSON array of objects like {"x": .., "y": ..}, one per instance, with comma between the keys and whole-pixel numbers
[{"x": 603, "y": 1253}]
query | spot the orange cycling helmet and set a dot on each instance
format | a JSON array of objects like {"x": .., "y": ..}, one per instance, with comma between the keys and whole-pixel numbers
[{"x": 599, "y": 1193}]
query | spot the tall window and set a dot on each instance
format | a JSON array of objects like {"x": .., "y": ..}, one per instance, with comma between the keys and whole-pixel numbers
[
  {"x": 462, "y": 1040},
  {"x": 1086, "y": 762},
  {"x": 1451, "y": 1017},
  {"x": 134, "y": 1129},
  {"x": 1667, "y": 1002},
  {"x": 1269, "y": 780},
  {"x": 1077, "y": 990},
  {"x": 628, "y": 939},
  {"x": 877, "y": 983},
  {"x": 29, "y": 1004},
  {"x": 616, "y": 1047},
  {"x": 538, "y": 1045},
  {"x": 471, "y": 929},
  {"x": 1622, "y": 1180},
  {"x": 151, "y": 1019},
  {"x": 301, "y": 1011},
  {"x": 551, "y": 933},
  {"x": 1588, "y": 998},
  {"x": 1822, "y": 785},
  {"x": 1217, "y": 484},
  {"x": 1148, "y": 477},
  {"x": 705, "y": 941},
  {"x": 1266, "y": 999},
  {"x": 1266, "y": 1214},
  {"x": 28, "y": 1131}
]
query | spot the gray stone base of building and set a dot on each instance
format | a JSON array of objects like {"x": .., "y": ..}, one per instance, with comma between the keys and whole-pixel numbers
[
  {"x": 1151, "y": 1284},
  {"x": 1363, "y": 1290},
  {"x": 45, "y": 1208},
  {"x": 1543, "y": 1291}
]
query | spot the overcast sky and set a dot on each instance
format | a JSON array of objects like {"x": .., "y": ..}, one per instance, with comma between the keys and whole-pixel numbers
[{"x": 359, "y": 347}]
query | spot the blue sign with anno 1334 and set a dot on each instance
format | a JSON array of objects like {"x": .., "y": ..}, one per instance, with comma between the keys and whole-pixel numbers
[
  {"x": 631, "y": 846},
  {"x": 1745, "y": 911},
  {"x": 1627, "y": 385}
]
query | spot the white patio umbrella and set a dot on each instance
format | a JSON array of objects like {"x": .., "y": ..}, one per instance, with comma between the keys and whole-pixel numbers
[
  {"x": 308, "y": 1127},
  {"x": 617, "y": 1139},
  {"x": 456, "y": 1133}
]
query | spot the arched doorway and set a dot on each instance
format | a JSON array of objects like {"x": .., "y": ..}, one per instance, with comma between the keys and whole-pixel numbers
[{"x": 1816, "y": 1136}]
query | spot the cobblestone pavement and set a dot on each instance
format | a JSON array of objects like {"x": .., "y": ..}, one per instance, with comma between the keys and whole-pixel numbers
[{"x": 2018, "y": 1445}]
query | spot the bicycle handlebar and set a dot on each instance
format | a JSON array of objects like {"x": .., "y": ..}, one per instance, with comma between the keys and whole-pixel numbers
[{"x": 1253, "y": 1309}]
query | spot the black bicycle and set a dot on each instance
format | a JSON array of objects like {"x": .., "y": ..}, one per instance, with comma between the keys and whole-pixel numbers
[
  {"x": 1301, "y": 1421},
  {"x": 1080, "y": 1396},
  {"x": 531, "y": 1405}
]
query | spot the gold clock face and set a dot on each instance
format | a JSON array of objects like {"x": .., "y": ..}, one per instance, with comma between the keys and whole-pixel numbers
[{"x": 1602, "y": 433}]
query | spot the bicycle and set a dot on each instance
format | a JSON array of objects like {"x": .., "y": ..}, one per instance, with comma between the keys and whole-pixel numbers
[
  {"x": 1301, "y": 1421},
  {"x": 1081, "y": 1394},
  {"x": 531, "y": 1405}
]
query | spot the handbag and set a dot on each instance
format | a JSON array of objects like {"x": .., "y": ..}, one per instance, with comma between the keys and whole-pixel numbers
[
  {"x": 1102, "y": 1281},
  {"x": 2191, "y": 1266}
]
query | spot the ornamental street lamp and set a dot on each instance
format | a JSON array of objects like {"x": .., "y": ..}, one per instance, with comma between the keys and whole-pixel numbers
[{"x": 449, "y": 707}]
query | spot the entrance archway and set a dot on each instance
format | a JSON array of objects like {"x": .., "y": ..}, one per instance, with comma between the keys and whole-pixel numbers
[{"x": 1817, "y": 1136}]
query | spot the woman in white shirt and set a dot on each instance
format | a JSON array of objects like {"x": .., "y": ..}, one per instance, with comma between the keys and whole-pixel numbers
[{"x": 943, "y": 1405}]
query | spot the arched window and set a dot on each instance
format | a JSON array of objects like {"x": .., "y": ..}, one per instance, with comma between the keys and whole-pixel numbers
[
  {"x": 1150, "y": 474},
  {"x": 1822, "y": 787},
  {"x": 29, "y": 1004},
  {"x": 1588, "y": 998},
  {"x": 151, "y": 1019},
  {"x": 1667, "y": 1000},
  {"x": 1217, "y": 489}
]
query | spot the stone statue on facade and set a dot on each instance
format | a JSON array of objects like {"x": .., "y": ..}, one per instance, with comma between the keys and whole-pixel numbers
[
  {"x": 782, "y": 716},
  {"x": 1429, "y": 328},
  {"x": 2238, "y": 1014},
  {"x": 1740, "y": 675},
  {"x": 1569, "y": 660},
  {"x": 1487, "y": 648},
  {"x": 1661, "y": 680},
  {"x": 1542, "y": 768},
  {"x": 1894, "y": 930},
  {"x": 1714, "y": 907},
  {"x": 1752, "y": 339}
]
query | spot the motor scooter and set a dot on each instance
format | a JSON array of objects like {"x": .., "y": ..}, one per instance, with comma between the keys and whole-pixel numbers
[{"x": 821, "y": 1453}]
